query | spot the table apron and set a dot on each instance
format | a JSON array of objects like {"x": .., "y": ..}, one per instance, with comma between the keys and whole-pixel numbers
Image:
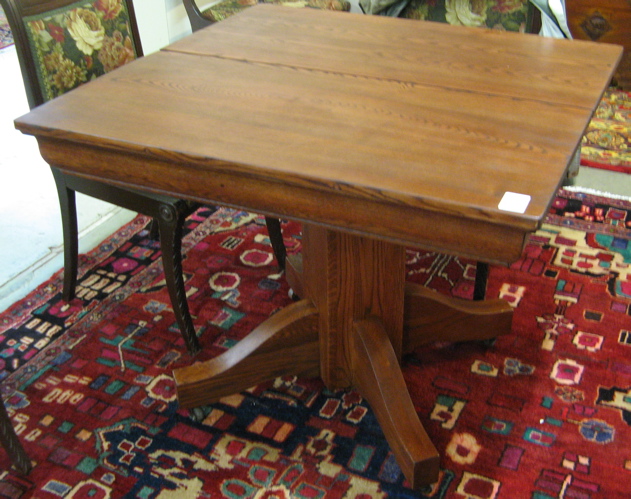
[{"x": 319, "y": 203}]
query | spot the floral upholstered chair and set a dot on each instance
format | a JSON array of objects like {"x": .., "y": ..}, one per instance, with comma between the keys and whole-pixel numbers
[
  {"x": 200, "y": 18},
  {"x": 509, "y": 15},
  {"x": 62, "y": 44}
]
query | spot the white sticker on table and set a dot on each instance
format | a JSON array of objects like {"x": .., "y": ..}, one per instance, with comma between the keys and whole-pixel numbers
[{"x": 514, "y": 202}]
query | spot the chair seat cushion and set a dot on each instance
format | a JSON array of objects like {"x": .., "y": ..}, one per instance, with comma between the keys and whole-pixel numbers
[
  {"x": 511, "y": 15},
  {"x": 227, "y": 8}
]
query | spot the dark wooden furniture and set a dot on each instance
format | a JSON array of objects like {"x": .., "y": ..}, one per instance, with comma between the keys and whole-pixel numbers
[
  {"x": 371, "y": 143},
  {"x": 195, "y": 15},
  {"x": 607, "y": 21},
  {"x": 167, "y": 211},
  {"x": 11, "y": 443}
]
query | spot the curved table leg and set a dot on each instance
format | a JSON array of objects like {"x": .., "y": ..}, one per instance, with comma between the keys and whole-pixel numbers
[
  {"x": 431, "y": 316},
  {"x": 286, "y": 343},
  {"x": 379, "y": 379},
  {"x": 481, "y": 278}
]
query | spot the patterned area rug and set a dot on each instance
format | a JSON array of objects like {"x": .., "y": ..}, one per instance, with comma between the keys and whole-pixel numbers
[
  {"x": 6, "y": 38},
  {"x": 607, "y": 141},
  {"x": 542, "y": 413}
]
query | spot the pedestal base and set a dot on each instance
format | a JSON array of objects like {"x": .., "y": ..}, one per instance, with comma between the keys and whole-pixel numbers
[{"x": 357, "y": 319}]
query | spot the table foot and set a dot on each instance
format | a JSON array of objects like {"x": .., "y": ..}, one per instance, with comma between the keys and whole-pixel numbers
[
  {"x": 377, "y": 375},
  {"x": 286, "y": 343},
  {"x": 431, "y": 316}
]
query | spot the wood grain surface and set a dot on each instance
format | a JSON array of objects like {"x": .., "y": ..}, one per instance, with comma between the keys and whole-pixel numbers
[
  {"x": 407, "y": 131},
  {"x": 375, "y": 132}
]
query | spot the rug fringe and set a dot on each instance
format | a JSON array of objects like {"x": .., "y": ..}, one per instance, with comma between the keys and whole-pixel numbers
[{"x": 595, "y": 192}]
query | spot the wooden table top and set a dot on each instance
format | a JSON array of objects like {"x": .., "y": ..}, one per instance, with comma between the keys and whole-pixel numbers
[{"x": 404, "y": 130}]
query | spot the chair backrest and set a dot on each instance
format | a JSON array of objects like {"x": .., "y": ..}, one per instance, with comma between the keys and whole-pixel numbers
[
  {"x": 516, "y": 15},
  {"x": 222, "y": 9},
  {"x": 62, "y": 44}
]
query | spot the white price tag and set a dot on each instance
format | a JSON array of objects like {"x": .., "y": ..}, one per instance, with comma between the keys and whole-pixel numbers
[{"x": 514, "y": 202}]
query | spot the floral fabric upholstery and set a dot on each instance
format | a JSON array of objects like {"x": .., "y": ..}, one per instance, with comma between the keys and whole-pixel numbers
[
  {"x": 227, "y": 8},
  {"x": 78, "y": 43},
  {"x": 510, "y": 15}
]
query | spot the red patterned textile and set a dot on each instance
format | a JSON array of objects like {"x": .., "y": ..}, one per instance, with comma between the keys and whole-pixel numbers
[{"x": 541, "y": 413}]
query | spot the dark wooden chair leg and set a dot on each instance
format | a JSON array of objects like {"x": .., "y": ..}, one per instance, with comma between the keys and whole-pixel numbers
[
  {"x": 140, "y": 201},
  {"x": 479, "y": 291},
  {"x": 481, "y": 277},
  {"x": 154, "y": 230},
  {"x": 168, "y": 215},
  {"x": 197, "y": 20},
  {"x": 170, "y": 221},
  {"x": 276, "y": 239},
  {"x": 11, "y": 443},
  {"x": 68, "y": 206}
]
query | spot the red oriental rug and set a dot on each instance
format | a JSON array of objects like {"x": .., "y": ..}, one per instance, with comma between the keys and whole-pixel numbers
[
  {"x": 542, "y": 413},
  {"x": 607, "y": 140}
]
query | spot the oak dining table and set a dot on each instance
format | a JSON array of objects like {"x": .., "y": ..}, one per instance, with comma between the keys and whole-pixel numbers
[{"x": 377, "y": 134}]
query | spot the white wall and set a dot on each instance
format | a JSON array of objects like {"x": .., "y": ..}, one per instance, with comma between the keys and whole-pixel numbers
[
  {"x": 177, "y": 20},
  {"x": 160, "y": 22},
  {"x": 165, "y": 21}
]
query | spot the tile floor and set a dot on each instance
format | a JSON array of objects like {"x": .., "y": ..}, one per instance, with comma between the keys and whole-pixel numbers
[{"x": 30, "y": 227}]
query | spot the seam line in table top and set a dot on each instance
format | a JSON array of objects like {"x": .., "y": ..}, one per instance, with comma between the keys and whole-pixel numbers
[{"x": 369, "y": 77}]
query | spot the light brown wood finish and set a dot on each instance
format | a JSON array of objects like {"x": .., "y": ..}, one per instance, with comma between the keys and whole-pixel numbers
[
  {"x": 431, "y": 316},
  {"x": 286, "y": 343},
  {"x": 456, "y": 116},
  {"x": 473, "y": 61},
  {"x": 375, "y": 132},
  {"x": 386, "y": 392},
  {"x": 358, "y": 285}
]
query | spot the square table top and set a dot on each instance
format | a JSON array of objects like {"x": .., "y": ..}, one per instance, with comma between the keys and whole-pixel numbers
[{"x": 405, "y": 130}]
